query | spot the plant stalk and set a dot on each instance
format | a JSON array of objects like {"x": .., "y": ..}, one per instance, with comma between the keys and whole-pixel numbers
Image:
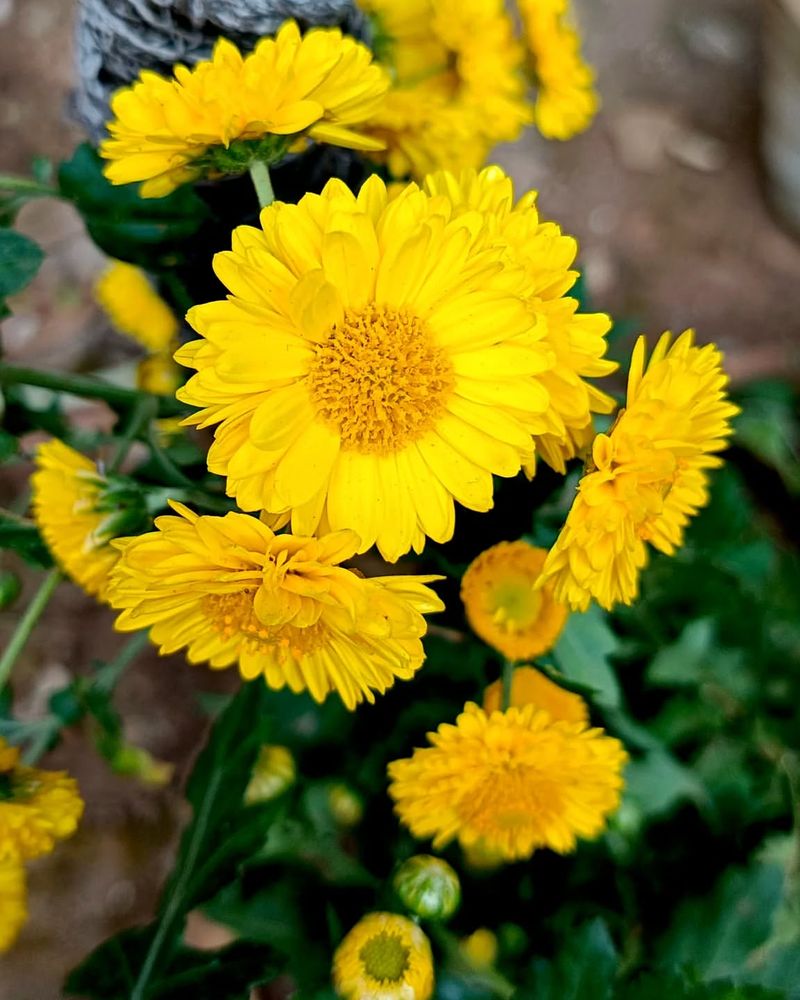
[
  {"x": 259, "y": 173},
  {"x": 27, "y": 624},
  {"x": 508, "y": 679}
]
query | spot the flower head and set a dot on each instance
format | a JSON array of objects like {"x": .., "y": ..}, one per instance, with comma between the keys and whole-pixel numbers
[
  {"x": 37, "y": 808},
  {"x": 376, "y": 361},
  {"x": 136, "y": 309},
  {"x": 648, "y": 475},
  {"x": 273, "y": 772},
  {"x": 384, "y": 957},
  {"x": 511, "y": 781},
  {"x": 13, "y": 902},
  {"x": 231, "y": 591},
  {"x": 231, "y": 109},
  {"x": 428, "y": 887},
  {"x": 503, "y": 605},
  {"x": 531, "y": 687}
]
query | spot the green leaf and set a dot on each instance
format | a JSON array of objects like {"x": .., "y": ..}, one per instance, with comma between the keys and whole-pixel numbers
[
  {"x": 20, "y": 259},
  {"x": 663, "y": 987},
  {"x": 768, "y": 427},
  {"x": 583, "y": 655},
  {"x": 22, "y": 536},
  {"x": 585, "y": 968},
  {"x": 695, "y": 659},
  {"x": 657, "y": 783}
]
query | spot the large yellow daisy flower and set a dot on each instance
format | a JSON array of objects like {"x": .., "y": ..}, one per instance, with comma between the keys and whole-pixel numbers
[
  {"x": 165, "y": 132},
  {"x": 376, "y": 361},
  {"x": 511, "y": 782},
  {"x": 37, "y": 808},
  {"x": 647, "y": 476},
  {"x": 231, "y": 591},
  {"x": 384, "y": 957},
  {"x": 531, "y": 687},
  {"x": 13, "y": 902}
]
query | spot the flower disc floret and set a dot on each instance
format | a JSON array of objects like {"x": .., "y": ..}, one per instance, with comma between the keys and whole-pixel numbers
[{"x": 384, "y": 957}]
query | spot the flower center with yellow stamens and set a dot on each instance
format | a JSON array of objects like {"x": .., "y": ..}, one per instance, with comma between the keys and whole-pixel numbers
[
  {"x": 516, "y": 797},
  {"x": 379, "y": 379},
  {"x": 233, "y": 615},
  {"x": 385, "y": 958},
  {"x": 515, "y": 605}
]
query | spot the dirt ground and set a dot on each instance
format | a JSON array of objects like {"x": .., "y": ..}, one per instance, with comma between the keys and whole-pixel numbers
[{"x": 667, "y": 198}]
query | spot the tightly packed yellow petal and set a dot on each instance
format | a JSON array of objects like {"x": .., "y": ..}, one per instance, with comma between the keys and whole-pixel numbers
[
  {"x": 511, "y": 781},
  {"x": 458, "y": 86},
  {"x": 375, "y": 362},
  {"x": 66, "y": 499},
  {"x": 37, "y": 808},
  {"x": 504, "y": 606},
  {"x": 648, "y": 476},
  {"x": 228, "y": 590},
  {"x": 164, "y": 131},
  {"x": 567, "y": 101},
  {"x": 13, "y": 902},
  {"x": 384, "y": 957},
  {"x": 531, "y": 687},
  {"x": 576, "y": 340},
  {"x": 135, "y": 307}
]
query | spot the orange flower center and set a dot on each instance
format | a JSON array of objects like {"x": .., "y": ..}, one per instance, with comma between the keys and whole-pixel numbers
[
  {"x": 233, "y": 615},
  {"x": 385, "y": 958}
]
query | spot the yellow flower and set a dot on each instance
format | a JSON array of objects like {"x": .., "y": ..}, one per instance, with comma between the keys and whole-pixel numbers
[
  {"x": 531, "y": 687},
  {"x": 647, "y": 476},
  {"x": 576, "y": 341},
  {"x": 37, "y": 808},
  {"x": 503, "y": 605},
  {"x": 375, "y": 362},
  {"x": 458, "y": 87},
  {"x": 480, "y": 948},
  {"x": 13, "y": 903},
  {"x": 273, "y": 772},
  {"x": 135, "y": 307},
  {"x": 158, "y": 374},
  {"x": 231, "y": 109},
  {"x": 229, "y": 590},
  {"x": 567, "y": 100},
  {"x": 384, "y": 957},
  {"x": 512, "y": 781},
  {"x": 67, "y": 499}
]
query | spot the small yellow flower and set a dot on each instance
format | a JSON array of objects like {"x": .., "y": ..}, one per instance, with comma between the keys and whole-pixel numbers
[
  {"x": 158, "y": 374},
  {"x": 567, "y": 101},
  {"x": 384, "y": 957},
  {"x": 13, "y": 902},
  {"x": 512, "y": 781},
  {"x": 37, "y": 808},
  {"x": 503, "y": 604},
  {"x": 648, "y": 474},
  {"x": 480, "y": 948},
  {"x": 231, "y": 109},
  {"x": 531, "y": 687},
  {"x": 231, "y": 591},
  {"x": 136, "y": 309},
  {"x": 274, "y": 771}
]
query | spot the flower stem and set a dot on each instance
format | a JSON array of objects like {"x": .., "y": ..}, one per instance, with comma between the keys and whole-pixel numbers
[
  {"x": 24, "y": 184},
  {"x": 144, "y": 411},
  {"x": 27, "y": 623},
  {"x": 508, "y": 679},
  {"x": 259, "y": 173}
]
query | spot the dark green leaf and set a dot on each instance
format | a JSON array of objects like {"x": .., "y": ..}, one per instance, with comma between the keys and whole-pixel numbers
[
  {"x": 20, "y": 259},
  {"x": 23, "y": 537},
  {"x": 583, "y": 654},
  {"x": 584, "y": 969},
  {"x": 657, "y": 782},
  {"x": 664, "y": 987}
]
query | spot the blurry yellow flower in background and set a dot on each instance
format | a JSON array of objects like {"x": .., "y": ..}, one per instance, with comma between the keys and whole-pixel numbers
[
  {"x": 511, "y": 781},
  {"x": 375, "y": 362},
  {"x": 384, "y": 957},
  {"x": 532, "y": 687},
  {"x": 503, "y": 605},
  {"x": 136, "y": 309},
  {"x": 648, "y": 475},
  {"x": 480, "y": 948},
  {"x": 273, "y": 772},
  {"x": 37, "y": 808},
  {"x": 229, "y": 591},
  {"x": 566, "y": 101},
  {"x": 13, "y": 903},
  {"x": 231, "y": 109}
]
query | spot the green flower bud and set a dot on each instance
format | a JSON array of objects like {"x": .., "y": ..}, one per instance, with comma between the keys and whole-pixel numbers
[
  {"x": 428, "y": 887},
  {"x": 345, "y": 805},
  {"x": 274, "y": 771}
]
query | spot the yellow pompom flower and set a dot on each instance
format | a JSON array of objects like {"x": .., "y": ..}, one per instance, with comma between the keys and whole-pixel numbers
[
  {"x": 231, "y": 109},
  {"x": 135, "y": 307},
  {"x": 375, "y": 362},
  {"x": 37, "y": 808},
  {"x": 13, "y": 901},
  {"x": 648, "y": 475},
  {"x": 228, "y": 590},
  {"x": 576, "y": 341},
  {"x": 511, "y": 781},
  {"x": 384, "y": 957},
  {"x": 531, "y": 687},
  {"x": 458, "y": 86},
  {"x": 567, "y": 101},
  {"x": 503, "y": 605}
]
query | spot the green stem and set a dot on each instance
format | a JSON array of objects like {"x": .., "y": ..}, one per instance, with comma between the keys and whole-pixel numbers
[
  {"x": 144, "y": 410},
  {"x": 27, "y": 623},
  {"x": 24, "y": 184},
  {"x": 107, "y": 677},
  {"x": 259, "y": 173},
  {"x": 508, "y": 679}
]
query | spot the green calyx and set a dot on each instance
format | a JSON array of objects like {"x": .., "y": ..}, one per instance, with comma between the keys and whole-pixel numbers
[{"x": 240, "y": 154}]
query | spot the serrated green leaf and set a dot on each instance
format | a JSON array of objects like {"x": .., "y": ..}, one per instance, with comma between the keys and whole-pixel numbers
[
  {"x": 583, "y": 654},
  {"x": 20, "y": 259}
]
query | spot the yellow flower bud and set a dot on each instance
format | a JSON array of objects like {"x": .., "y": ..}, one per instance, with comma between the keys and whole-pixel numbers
[{"x": 273, "y": 773}]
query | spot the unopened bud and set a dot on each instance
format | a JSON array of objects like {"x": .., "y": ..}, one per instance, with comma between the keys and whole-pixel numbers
[
  {"x": 274, "y": 771},
  {"x": 480, "y": 948},
  {"x": 346, "y": 806},
  {"x": 428, "y": 887}
]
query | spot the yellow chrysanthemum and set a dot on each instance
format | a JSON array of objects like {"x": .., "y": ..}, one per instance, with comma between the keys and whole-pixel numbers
[
  {"x": 567, "y": 100},
  {"x": 164, "y": 132},
  {"x": 136, "y": 309},
  {"x": 13, "y": 901},
  {"x": 66, "y": 499},
  {"x": 37, "y": 808},
  {"x": 231, "y": 591},
  {"x": 648, "y": 475},
  {"x": 531, "y": 687},
  {"x": 576, "y": 341},
  {"x": 480, "y": 948},
  {"x": 384, "y": 957},
  {"x": 512, "y": 781},
  {"x": 376, "y": 360},
  {"x": 458, "y": 87},
  {"x": 503, "y": 605}
]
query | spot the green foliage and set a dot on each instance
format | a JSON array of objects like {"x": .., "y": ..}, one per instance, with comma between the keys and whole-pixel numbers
[
  {"x": 583, "y": 970},
  {"x": 20, "y": 259},
  {"x": 583, "y": 654}
]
